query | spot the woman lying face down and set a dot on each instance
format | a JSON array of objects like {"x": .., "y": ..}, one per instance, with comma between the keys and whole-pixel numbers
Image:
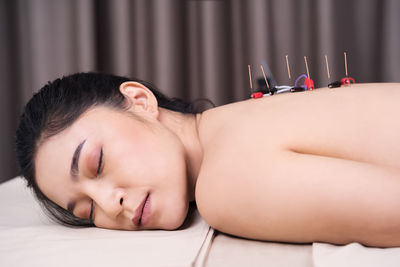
[{"x": 312, "y": 166}]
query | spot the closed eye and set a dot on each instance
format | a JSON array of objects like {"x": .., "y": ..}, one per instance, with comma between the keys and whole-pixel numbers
[
  {"x": 100, "y": 162},
  {"x": 91, "y": 212},
  {"x": 97, "y": 174}
]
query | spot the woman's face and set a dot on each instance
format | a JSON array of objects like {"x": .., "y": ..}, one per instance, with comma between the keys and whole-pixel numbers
[{"x": 119, "y": 163}]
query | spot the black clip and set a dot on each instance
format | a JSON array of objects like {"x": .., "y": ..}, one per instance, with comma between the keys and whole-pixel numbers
[
  {"x": 297, "y": 89},
  {"x": 334, "y": 84}
]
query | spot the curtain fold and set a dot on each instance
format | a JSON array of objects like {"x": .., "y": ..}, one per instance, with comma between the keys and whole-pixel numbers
[{"x": 189, "y": 49}]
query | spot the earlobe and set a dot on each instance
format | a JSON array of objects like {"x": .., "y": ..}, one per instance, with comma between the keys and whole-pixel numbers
[{"x": 140, "y": 97}]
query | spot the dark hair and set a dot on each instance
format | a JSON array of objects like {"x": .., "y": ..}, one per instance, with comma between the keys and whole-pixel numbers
[{"x": 56, "y": 106}]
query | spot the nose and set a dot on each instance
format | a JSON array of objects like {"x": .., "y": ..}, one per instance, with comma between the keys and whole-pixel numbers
[{"x": 108, "y": 198}]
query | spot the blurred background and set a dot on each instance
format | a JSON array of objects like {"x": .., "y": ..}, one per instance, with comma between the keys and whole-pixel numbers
[{"x": 189, "y": 48}]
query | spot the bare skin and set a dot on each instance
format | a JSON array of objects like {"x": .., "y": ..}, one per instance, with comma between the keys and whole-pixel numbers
[
  {"x": 321, "y": 165},
  {"x": 312, "y": 166}
]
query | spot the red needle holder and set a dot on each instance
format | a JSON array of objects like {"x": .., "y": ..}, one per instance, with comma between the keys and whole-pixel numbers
[
  {"x": 308, "y": 82},
  {"x": 346, "y": 80},
  {"x": 257, "y": 94}
]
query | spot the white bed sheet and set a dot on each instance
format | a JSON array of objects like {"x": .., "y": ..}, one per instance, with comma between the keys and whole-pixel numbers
[
  {"x": 354, "y": 254},
  {"x": 29, "y": 238}
]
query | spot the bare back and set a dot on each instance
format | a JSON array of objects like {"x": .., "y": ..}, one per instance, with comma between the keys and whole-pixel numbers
[{"x": 304, "y": 167}]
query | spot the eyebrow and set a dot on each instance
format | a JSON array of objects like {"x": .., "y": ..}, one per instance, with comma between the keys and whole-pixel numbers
[{"x": 74, "y": 171}]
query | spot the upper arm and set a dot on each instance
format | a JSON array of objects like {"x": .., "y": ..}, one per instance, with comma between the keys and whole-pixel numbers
[{"x": 306, "y": 198}]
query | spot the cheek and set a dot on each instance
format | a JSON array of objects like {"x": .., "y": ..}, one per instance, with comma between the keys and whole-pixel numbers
[
  {"x": 147, "y": 158},
  {"x": 105, "y": 222},
  {"x": 174, "y": 206},
  {"x": 162, "y": 157},
  {"x": 170, "y": 166}
]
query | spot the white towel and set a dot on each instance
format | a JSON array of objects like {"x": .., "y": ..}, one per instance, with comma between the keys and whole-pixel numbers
[{"x": 29, "y": 238}]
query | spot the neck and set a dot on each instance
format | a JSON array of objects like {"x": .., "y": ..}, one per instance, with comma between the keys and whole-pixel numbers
[{"x": 186, "y": 126}]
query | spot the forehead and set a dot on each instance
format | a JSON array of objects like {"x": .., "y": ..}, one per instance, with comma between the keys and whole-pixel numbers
[
  {"x": 52, "y": 164},
  {"x": 54, "y": 155}
]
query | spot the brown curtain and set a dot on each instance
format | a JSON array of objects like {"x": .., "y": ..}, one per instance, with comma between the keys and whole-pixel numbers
[{"x": 189, "y": 49}]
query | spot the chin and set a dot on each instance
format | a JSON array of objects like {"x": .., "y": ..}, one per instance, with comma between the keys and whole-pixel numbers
[{"x": 177, "y": 217}]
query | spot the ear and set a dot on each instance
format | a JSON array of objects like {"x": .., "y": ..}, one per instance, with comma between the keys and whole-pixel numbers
[{"x": 141, "y": 98}]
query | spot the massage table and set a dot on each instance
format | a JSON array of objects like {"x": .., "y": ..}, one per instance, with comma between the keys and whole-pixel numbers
[{"x": 29, "y": 238}]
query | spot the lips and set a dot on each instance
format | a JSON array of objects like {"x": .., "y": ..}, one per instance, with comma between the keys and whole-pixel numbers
[{"x": 137, "y": 219}]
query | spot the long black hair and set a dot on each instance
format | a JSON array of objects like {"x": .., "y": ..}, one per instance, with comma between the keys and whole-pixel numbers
[{"x": 57, "y": 106}]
